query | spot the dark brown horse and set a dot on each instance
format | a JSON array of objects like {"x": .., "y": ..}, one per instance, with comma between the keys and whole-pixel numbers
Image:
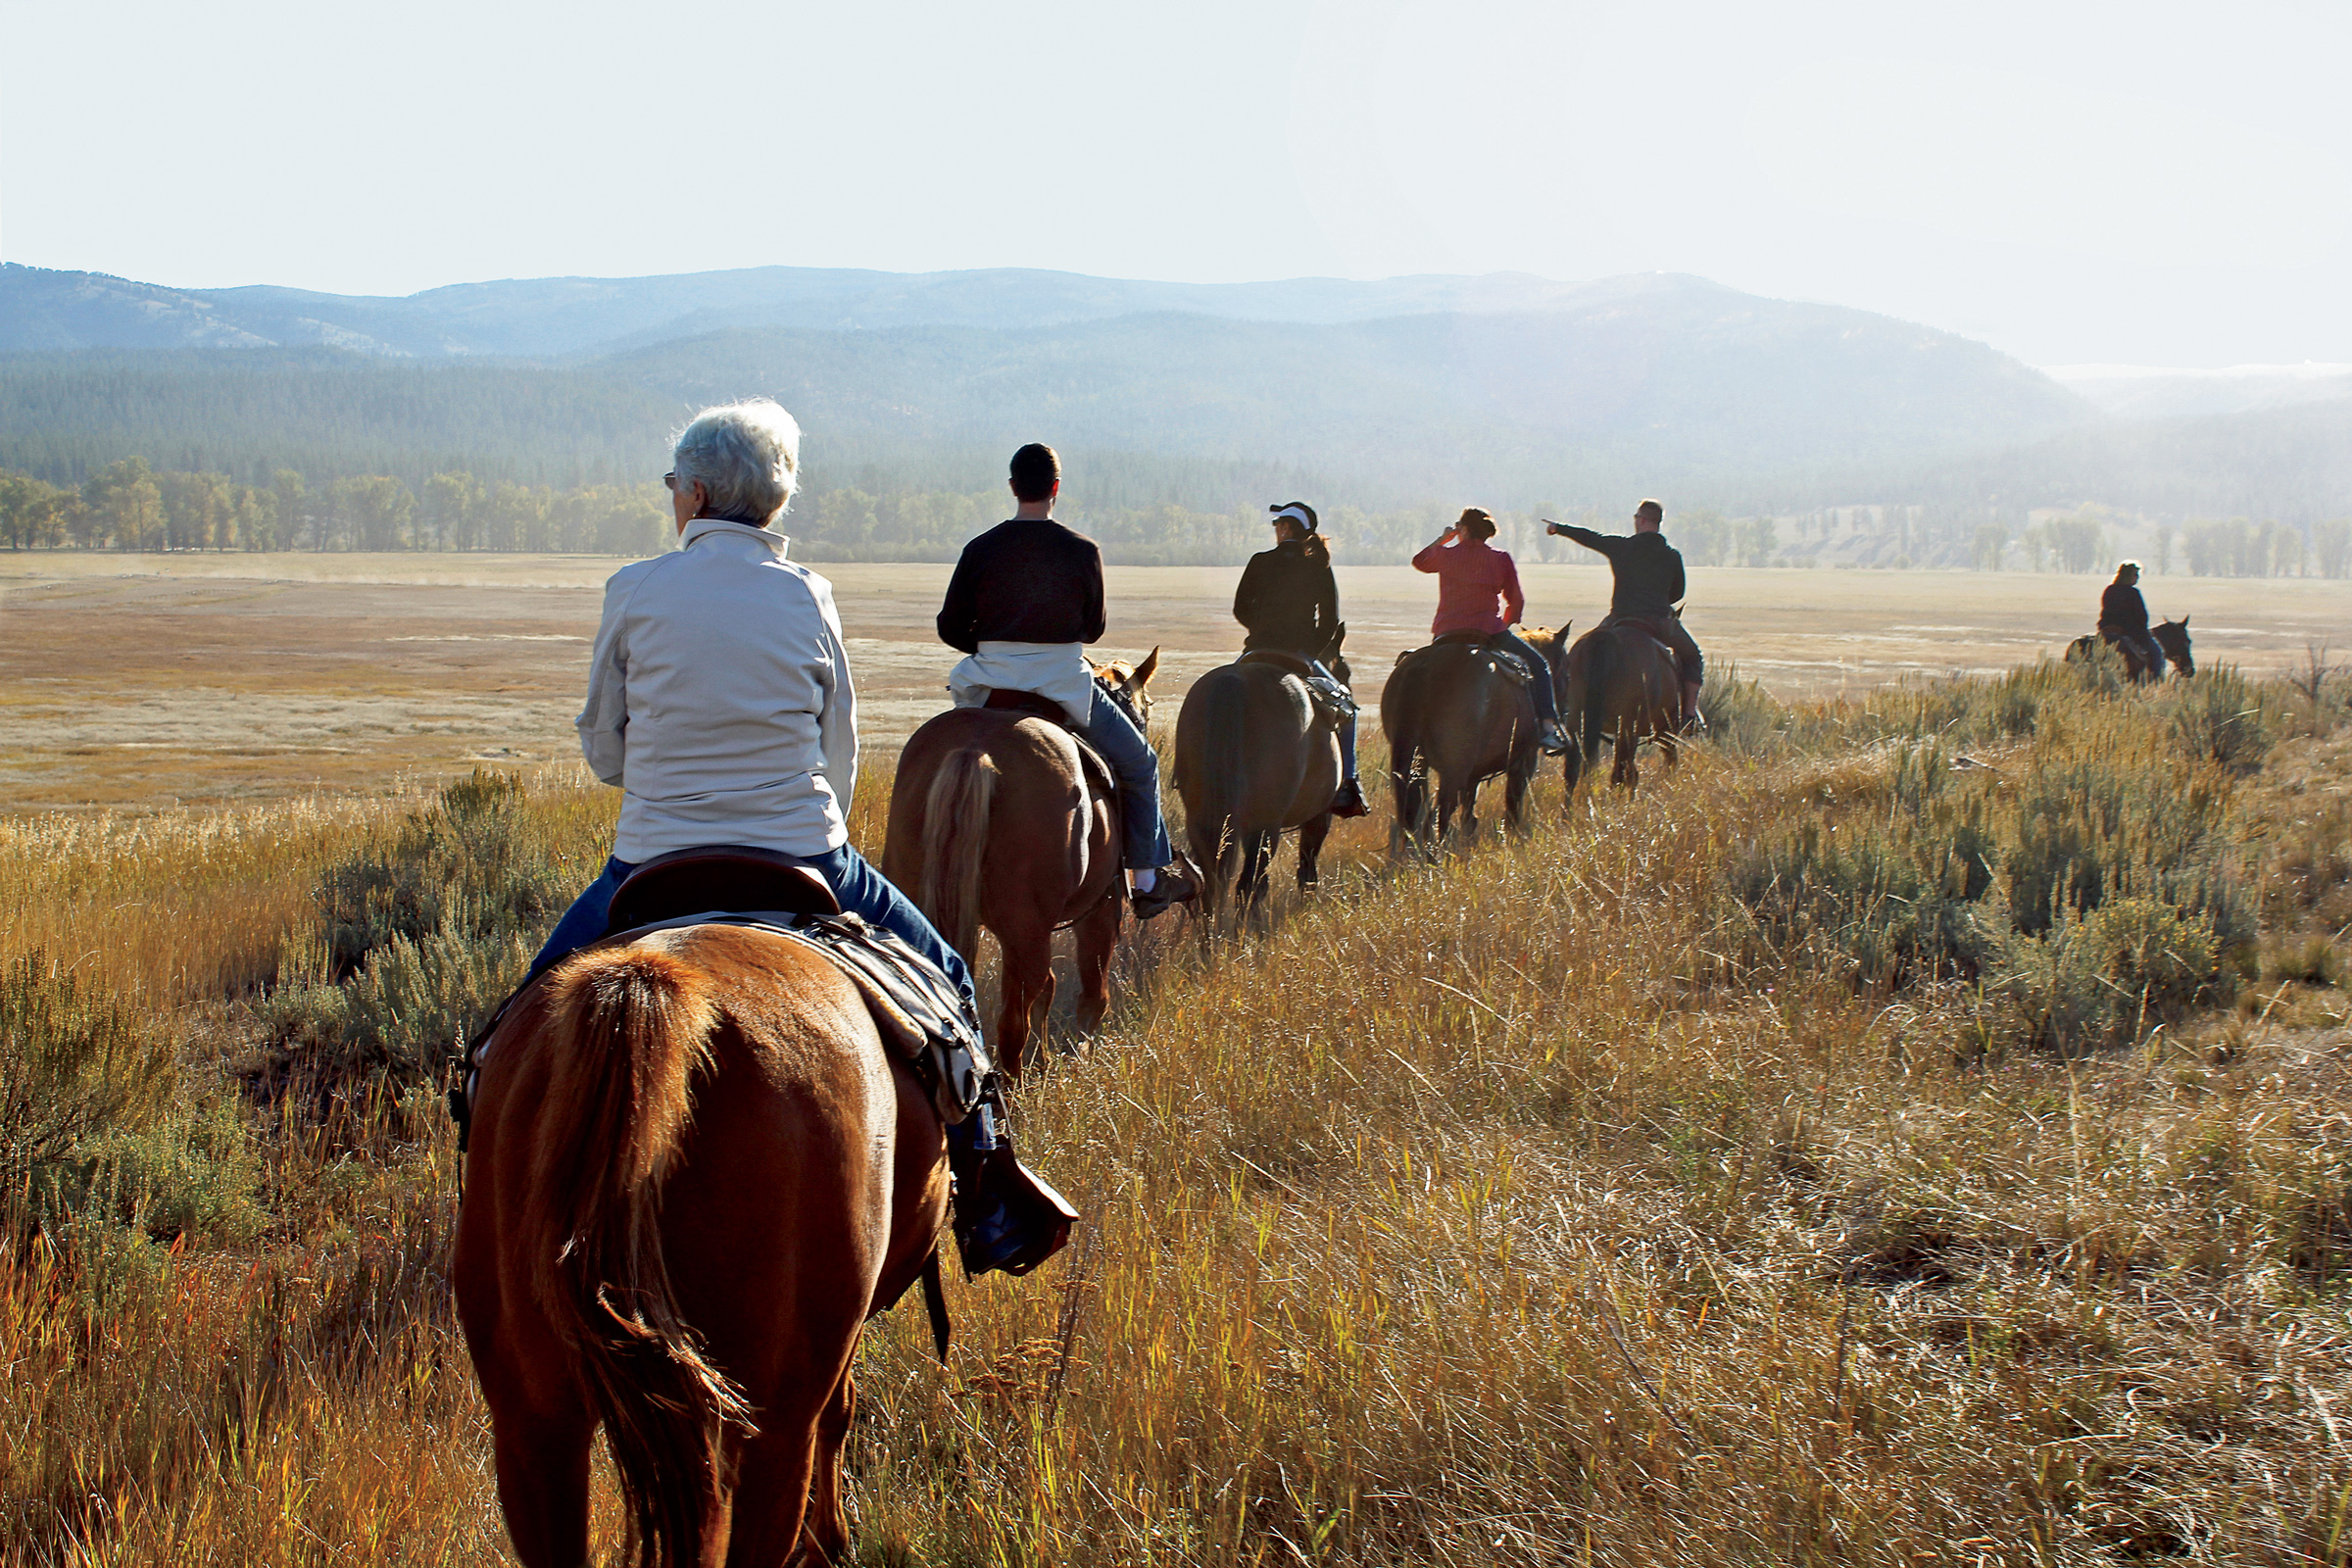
[
  {"x": 1254, "y": 756},
  {"x": 1454, "y": 721},
  {"x": 1623, "y": 687},
  {"x": 1000, "y": 818},
  {"x": 694, "y": 1172},
  {"x": 2172, "y": 637}
]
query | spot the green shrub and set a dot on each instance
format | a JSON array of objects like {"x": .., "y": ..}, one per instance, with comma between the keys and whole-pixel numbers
[
  {"x": 1741, "y": 716},
  {"x": 1864, "y": 903},
  {"x": 397, "y": 1018},
  {"x": 73, "y": 1066},
  {"x": 2219, "y": 716},
  {"x": 469, "y": 862}
]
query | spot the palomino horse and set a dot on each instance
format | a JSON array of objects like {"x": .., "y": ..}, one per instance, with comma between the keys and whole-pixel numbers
[
  {"x": 2172, "y": 636},
  {"x": 1000, "y": 818},
  {"x": 1453, "y": 718},
  {"x": 1623, "y": 687},
  {"x": 1254, "y": 756},
  {"x": 692, "y": 1176}
]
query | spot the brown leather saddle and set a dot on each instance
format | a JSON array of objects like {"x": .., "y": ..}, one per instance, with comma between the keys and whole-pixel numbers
[
  {"x": 731, "y": 878},
  {"x": 1505, "y": 661}
]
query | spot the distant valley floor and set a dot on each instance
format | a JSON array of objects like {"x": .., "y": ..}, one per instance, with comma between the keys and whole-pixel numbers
[{"x": 154, "y": 681}]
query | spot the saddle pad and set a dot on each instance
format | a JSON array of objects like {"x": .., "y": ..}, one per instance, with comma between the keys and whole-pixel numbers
[{"x": 914, "y": 1004}]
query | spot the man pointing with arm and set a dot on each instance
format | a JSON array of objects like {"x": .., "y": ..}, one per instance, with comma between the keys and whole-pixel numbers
[{"x": 1647, "y": 576}]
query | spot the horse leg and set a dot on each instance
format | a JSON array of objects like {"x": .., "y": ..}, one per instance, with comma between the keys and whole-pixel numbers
[
  {"x": 1098, "y": 937},
  {"x": 1405, "y": 826},
  {"x": 1026, "y": 983},
  {"x": 1629, "y": 772},
  {"x": 825, "y": 1533},
  {"x": 1311, "y": 834},
  {"x": 778, "y": 1484},
  {"x": 542, "y": 1461},
  {"x": 1514, "y": 793},
  {"x": 1258, "y": 858}
]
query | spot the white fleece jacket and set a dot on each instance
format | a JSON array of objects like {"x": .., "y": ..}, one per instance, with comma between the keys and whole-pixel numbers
[{"x": 719, "y": 699}]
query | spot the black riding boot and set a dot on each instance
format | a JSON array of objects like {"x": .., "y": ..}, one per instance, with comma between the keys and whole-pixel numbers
[{"x": 1006, "y": 1217}]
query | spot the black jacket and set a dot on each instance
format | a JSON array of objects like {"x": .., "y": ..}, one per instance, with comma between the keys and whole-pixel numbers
[
  {"x": 2122, "y": 608},
  {"x": 1649, "y": 571},
  {"x": 1287, "y": 600},
  {"x": 1024, "y": 581}
]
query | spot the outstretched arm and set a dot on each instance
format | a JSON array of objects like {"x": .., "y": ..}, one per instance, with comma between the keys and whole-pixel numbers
[{"x": 1606, "y": 543}]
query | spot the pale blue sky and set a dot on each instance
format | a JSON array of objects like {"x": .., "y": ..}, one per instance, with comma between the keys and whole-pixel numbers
[{"x": 2133, "y": 183}]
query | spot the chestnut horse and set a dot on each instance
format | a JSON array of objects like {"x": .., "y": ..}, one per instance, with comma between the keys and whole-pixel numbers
[
  {"x": 1623, "y": 687},
  {"x": 1450, "y": 716},
  {"x": 2170, "y": 637},
  {"x": 695, "y": 1171},
  {"x": 1000, "y": 818},
  {"x": 1254, "y": 756}
]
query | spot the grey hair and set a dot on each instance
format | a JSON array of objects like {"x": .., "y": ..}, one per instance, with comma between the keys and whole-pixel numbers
[{"x": 747, "y": 456}]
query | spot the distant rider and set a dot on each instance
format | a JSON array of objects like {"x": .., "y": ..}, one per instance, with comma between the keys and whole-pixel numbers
[
  {"x": 720, "y": 700},
  {"x": 1478, "y": 590},
  {"x": 2123, "y": 619},
  {"x": 1647, "y": 576},
  {"x": 1288, "y": 602},
  {"x": 1025, "y": 600}
]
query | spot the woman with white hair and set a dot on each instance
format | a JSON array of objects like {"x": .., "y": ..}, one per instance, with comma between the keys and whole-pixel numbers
[{"x": 721, "y": 703}]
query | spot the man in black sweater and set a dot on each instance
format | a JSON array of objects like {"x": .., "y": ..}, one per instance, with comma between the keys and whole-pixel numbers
[
  {"x": 2123, "y": 619},
  {"x": 1025, "y": 599},
  {"x": 1647, "y": 572}
]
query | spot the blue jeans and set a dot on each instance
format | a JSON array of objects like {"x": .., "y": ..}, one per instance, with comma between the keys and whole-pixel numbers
[
  {"x": 862, "y": 890},
  {"x": 1547, "y": 698},
  {"x": 1347, "y": 731},
  {"x": 1136, "y": 765}
]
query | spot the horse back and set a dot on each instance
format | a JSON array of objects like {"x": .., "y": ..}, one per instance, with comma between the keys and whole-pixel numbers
[{"x": 1251, "y": 751}]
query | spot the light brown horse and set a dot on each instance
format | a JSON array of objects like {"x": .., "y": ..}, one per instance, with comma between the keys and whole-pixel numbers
[
  {"x": 694, "y": 1172},
  {"x": 1623, "y": 687},
  {"x": 1000, "y": 819},
  {"x": 1450, "y": 717},
  {"x": 1254, "y": 757}
]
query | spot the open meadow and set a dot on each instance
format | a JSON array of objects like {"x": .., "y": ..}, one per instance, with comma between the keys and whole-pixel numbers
[
  {"x": 152, "y": 680},
  {"x": 1919, "y": 1131}
]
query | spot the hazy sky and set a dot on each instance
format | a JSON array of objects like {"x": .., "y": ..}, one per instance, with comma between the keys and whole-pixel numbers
[{"x": 2143, "y": 184}]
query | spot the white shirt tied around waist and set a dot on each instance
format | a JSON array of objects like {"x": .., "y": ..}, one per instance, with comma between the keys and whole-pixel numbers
[
  {"x": 719, "y": 699},
  {"x": 1056, "y": 672}
]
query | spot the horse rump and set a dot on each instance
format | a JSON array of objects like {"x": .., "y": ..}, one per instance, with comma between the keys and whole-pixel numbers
[{"x": 630, "y": 1029}]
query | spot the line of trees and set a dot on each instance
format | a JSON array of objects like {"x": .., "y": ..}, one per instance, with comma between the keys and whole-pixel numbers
[{"x": 128, "y": 505}]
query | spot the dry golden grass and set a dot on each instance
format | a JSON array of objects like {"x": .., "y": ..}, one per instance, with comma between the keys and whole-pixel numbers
[{"x": 1499, "y": 1211}]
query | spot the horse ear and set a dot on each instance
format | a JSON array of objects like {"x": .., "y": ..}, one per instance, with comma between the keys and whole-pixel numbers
[
  {"x": 1148, "y": 668},
  {"x": 2183, "y": 621}
]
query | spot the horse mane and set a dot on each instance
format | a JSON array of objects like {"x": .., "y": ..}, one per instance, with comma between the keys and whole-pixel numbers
[{"x": 628, "y": 1029}]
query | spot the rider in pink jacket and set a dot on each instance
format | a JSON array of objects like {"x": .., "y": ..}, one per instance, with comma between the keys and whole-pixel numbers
[{"x": 1478, "y": 590}]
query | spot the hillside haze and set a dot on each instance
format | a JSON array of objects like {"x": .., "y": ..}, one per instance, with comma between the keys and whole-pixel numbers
[{"x": 1398, "y": 391}]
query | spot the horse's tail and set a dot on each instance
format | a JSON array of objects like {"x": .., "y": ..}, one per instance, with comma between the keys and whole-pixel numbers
[
  {"x": 955, "y": 843},
  {"x": 628, "y": 1028},
  {"x": 1225, "y": 746},
  {"x": 1600, "y": 656}
]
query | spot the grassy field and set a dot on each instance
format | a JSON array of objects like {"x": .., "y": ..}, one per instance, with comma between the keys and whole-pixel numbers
[
  {"x": 1921, "y": 1130},
  {"x": 148, "y": 681}
]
